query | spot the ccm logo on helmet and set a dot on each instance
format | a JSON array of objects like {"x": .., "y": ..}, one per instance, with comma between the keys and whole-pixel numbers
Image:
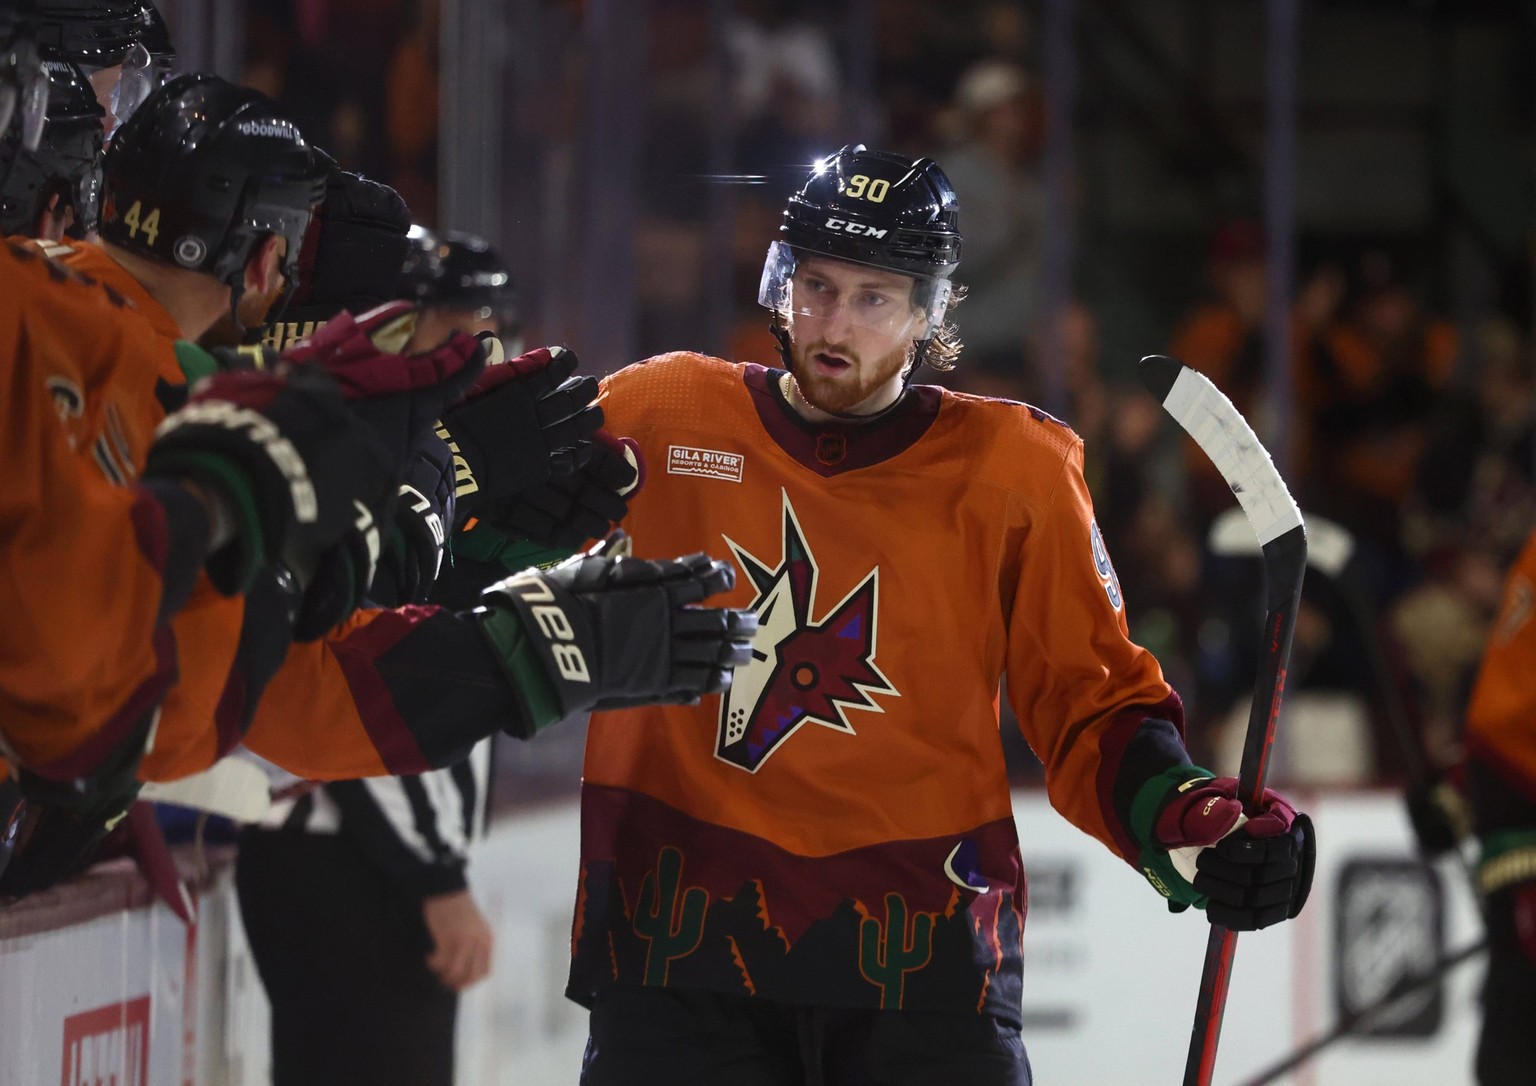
[
  {"x": 554, "y": 625},
  {"x": 267, "y": 437},
  {"x": 856, "y": 228}
]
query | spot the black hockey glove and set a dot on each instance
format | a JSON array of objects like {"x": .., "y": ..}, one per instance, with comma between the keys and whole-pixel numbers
[
  {"x": 303, "y": 479},
  {"x": 567, "y": 511},
  {"x": 56, "y": 826},
  {"x": 415, "y": 545},
  {"x": 544, "y": 525},
  {"x": 1197, "y": 849},
  {"x": 399, "y": 397},
  {"x": 605, "y": 632},
  {"x": 519, "y": 426}
]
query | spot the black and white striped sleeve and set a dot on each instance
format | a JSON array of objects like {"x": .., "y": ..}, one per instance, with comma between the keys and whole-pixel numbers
[{"x": 417, "y": 829}]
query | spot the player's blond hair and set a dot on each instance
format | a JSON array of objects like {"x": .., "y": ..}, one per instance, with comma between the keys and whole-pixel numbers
[{"x": 944, "y": 345}]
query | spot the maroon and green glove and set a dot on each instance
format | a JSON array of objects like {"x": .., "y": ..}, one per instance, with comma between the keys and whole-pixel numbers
[
  {"x": 1199, "y": 848},
  {"x": 306, "y": 456}
]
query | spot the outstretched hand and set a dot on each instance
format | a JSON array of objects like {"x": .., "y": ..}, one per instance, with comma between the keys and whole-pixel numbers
[
  {"x": 519, "y": 426},
  {"x": 604, "y": 630}
]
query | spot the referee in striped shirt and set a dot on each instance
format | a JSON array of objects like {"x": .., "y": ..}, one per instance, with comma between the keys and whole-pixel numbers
[
  {"x": 363, "y": 927},
  {"x": 353, "y": 893}
]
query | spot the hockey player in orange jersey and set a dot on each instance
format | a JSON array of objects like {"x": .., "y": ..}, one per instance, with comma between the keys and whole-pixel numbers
[
  {"x": 816, "y": 877},
  {"x": 1501, "y": 784},
  {"x": 104, "y": 541},
  {"x": 206, "y": 197}
]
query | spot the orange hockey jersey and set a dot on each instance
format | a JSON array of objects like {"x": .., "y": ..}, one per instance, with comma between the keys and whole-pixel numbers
[
  {"x": 84, "y": 652},
  {"x": 837, "y": 829},
  {"x": 367, "y": 700},
  {"x": 1501, "y": 715}
]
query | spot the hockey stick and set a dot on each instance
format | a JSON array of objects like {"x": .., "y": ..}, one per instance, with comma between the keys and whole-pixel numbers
[
  {"x": 1405, "y": 985},
  {"x": 1330, "y": 551},
  {"x": 1222, "y": 434}
]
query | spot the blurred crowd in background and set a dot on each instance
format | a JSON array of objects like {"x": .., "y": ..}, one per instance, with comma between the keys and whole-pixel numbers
[{"x": 1409, "y": 420}]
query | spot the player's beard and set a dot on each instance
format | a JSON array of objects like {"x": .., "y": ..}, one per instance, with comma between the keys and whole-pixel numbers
[{"x": 844, "y": 394}]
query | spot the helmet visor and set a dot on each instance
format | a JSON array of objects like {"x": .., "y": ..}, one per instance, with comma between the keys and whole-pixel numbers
[
  {"x": 87, "y": 196},
  {"x": 806, "y": 286},
  {"x": 137, "y": 79}
]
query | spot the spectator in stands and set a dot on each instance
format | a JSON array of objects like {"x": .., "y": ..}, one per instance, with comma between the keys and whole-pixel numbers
[
  {"x": 992, "y": 165},
  {"x": 1370, "y": 381}
]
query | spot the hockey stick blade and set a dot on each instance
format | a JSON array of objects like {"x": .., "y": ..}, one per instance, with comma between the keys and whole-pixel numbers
[{"x": 1227, "y": 439}]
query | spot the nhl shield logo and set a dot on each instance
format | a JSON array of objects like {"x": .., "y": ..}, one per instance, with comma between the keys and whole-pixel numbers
[{"x": 803, "y": 670}]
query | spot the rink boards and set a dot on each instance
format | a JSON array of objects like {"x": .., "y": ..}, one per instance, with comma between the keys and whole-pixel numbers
[{"x": 121, "y": 992}]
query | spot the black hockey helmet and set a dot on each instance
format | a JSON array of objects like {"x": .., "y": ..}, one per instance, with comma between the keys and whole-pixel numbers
[
  {"x": 205, "y": 170},
  {"x": 351, "y": 258},
  {"x": 98, "y": 34},
  {"x": 91, "y": 33},
  {"x": 66, "y": 163},
  {"x": 24, "y": 88},
  {"x": 875, "y": 208},
  {"x": 155, "y": 36},
  {"x": 459, "y": 271}
]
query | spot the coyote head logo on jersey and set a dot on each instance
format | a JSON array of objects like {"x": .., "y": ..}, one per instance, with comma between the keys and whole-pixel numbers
[{"x": 801, "y": 670}]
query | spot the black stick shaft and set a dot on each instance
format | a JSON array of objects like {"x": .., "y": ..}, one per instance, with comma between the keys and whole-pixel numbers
[
  {"x": 1224, "y": 436},
  {"x": 1284, "y": 568}
]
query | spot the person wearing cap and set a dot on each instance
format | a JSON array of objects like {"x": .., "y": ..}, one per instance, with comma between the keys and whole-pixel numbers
[{"x": 993, "y": 166}]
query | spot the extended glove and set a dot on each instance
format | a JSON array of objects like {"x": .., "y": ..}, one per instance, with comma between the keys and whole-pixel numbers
[
  {"x": 571, "y": 509},
  {"x": 1200, "y": 849},
  {"x": 416, "y": 541},
  {"x": 604, "y": 632},
  {"x": 519, "y": 426},
  {"x": 303, "y": 478},
  {"x": 401, "y": 396},
  {"x": 543, "y": 525}
]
